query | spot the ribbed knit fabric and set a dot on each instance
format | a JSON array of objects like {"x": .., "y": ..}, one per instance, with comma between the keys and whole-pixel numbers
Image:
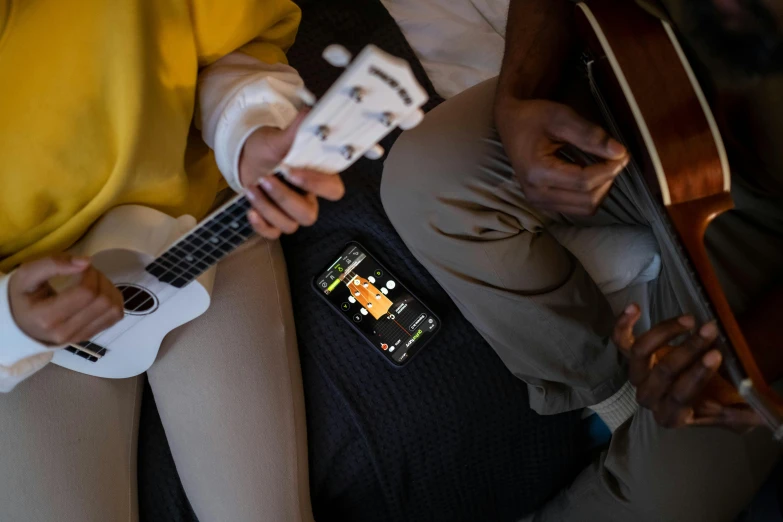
[{"x": 618, "y": 408}]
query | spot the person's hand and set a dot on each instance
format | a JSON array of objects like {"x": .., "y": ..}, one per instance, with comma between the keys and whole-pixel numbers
[
  {"x": 680, "y": 384},
  {"x": 533, "y": 131},
  {"x": 277, "y": 208},
  {"x": 77, "y": 314}
]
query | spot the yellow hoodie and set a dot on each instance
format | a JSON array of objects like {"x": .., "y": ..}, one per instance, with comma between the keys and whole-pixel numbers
[{"x": 96, "y": 108}]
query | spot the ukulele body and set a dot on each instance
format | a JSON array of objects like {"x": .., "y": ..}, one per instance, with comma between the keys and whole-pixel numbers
[
  {"x": 165, "y": 267},
  {"x": 121, "y": 244}
]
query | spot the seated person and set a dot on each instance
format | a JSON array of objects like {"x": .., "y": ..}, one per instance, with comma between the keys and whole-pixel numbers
[
  {"x": 97, "y": 103},
  {"x": 472, "y": 192}
]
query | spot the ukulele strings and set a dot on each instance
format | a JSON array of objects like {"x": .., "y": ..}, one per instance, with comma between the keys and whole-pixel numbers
[
  {"x": 177, "y": 270},
  {"x": 100, "y": 340},
  {"x": 184, "y": 271}
]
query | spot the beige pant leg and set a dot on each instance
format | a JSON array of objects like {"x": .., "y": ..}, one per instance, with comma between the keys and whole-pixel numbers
[
  {"x": 451, "y": 193},
  {"x": 449, "y": 190},
  {"x": 229, "y": 390},
  {"x": 653, "y": 474},
  {"x": 68, "y": 448}
]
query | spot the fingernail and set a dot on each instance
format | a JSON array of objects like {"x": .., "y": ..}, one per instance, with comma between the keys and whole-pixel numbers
[
  {"x": 712, "y": 359},
  {"x": 295, "y": 179},
  {"x": 306, "y": 96},
  {"x": 80, "y": 263},
  {"x": 253, "y": 216},
  {"x": 708, "y": 330},
  {"x": 687, "y": 321},
  {"x": 250, "y": 195},
  {"x": 265, "y": 184},
  {"x": 710, "y": 408},
  {"x": 630, "y": 309},
  {"x": 616, "y": 148}
]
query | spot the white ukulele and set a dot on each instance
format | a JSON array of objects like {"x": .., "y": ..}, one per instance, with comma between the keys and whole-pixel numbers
[{"x": 166, "y": 277}]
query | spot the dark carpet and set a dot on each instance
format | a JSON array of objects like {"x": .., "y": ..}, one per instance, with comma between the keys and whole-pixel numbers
[{"x": 449, "y": 437}]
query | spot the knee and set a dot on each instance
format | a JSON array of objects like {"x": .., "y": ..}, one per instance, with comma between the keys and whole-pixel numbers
[
  {"x": 685, "y": 475},
  {"x": 416, "y": 176},
  {"x": 400, "y": 172},
  {"x": 438, "y": 157}
]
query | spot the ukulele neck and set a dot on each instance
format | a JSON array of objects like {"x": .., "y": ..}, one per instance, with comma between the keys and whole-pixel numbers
[{"x": 204, "y": 246}]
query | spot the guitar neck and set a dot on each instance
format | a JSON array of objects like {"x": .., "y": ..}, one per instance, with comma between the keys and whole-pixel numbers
[{"x": 204, "y": 246}]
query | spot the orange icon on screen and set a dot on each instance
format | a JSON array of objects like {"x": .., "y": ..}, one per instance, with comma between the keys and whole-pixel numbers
[{"x": 384, "y": 346}]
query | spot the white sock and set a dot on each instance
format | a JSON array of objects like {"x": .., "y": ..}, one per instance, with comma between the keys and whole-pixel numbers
[{"x": 618, "y": 408}]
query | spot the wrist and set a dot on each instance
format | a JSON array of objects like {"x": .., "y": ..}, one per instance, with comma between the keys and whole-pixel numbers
[
  {"x": 504, "y": 99},
  {"x": 504, "y": 92},
  {"x": 508, "y": 108},
  {"x": 259, "y": 156}
]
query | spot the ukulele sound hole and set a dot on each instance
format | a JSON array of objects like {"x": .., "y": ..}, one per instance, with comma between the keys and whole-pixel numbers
[{"x": 138, "y": 300}]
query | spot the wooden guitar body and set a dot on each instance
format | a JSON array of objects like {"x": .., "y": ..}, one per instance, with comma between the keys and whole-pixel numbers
[{"x": 646, "y": 85}]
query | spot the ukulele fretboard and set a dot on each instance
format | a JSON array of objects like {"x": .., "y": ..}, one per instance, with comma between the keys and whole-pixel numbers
[{"x": 212, "y": 240}]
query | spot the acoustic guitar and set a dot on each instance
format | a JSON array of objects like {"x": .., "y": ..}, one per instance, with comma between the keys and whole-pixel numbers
[
  {"x": 653, "y": 103},
  {"x": 164, "y": 266}
]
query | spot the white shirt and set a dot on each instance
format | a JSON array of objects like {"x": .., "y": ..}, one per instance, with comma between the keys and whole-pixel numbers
[{"x": 237, "y": 95}]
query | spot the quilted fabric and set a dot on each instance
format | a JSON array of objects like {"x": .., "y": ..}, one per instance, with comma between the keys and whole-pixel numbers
[{"x": 449, "y": 437}]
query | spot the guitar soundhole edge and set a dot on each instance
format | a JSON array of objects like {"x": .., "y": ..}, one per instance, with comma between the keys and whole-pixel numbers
[{"x": 138, "y": 300}]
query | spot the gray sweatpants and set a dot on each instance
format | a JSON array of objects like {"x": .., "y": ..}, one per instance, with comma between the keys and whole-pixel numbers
[{"x": 449, "y": 190}]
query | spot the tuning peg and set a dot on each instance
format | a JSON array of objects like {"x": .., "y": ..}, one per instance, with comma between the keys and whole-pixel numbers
[
  {"x": 356, "y": 94},
  {"x": 322, "y": 132},
  {"x": 374, "y": 153},
  {"x": 337, "y": 55},
  {"x": 412, "y": 120},
  {"x": 387, "y": 118}
]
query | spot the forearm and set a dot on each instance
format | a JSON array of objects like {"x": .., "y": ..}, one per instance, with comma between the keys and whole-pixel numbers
[{"x": 539, "y": 38}]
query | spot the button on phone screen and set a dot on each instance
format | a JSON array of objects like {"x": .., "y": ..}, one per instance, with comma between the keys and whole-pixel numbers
[{"x": 378, "y": 305}]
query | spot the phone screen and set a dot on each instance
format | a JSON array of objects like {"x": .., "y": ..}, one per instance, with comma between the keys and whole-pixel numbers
[{"x": 377, "y": 304}]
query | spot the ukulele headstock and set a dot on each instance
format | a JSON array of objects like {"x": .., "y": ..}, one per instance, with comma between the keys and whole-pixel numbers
[{"x": 377, "y": 93}]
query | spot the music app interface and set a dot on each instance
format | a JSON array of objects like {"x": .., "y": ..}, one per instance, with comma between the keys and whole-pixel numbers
[{"x": 378, "y": 305}]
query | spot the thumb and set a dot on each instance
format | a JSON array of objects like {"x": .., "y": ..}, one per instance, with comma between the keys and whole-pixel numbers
[
  {"x": 30, "y": 276},
  {"x": 288, "y": 136},
  {"x": 623, "y": 328},
  {"x": 587, "y": 136}
]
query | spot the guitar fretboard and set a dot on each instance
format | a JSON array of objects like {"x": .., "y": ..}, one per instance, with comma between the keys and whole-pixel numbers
[{"x": 212, "y": 240}]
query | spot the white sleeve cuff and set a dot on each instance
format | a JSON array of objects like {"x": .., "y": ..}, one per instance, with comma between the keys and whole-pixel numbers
[
  {"x": 618, "y": 408},
  {"x": 13, "y": 375},
  {"x": 237, "y": 95},
  {"x": 20, "y": 355},
  {"x": 256, "y": 105}
]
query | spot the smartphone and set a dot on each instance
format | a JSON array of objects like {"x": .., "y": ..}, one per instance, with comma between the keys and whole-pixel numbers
[{"x": 378, "y": 306}]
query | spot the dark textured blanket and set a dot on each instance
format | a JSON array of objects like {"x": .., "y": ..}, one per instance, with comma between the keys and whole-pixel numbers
[{"x": 449, "y": 437}]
